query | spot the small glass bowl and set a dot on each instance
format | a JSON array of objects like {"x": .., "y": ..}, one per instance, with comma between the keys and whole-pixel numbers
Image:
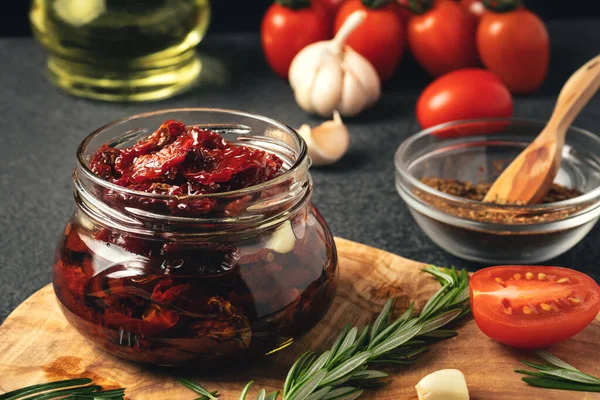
[{"x": 477, "y": 151}]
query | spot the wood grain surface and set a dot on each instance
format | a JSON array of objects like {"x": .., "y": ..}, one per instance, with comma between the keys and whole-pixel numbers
[{"x": 37, "y": 344}]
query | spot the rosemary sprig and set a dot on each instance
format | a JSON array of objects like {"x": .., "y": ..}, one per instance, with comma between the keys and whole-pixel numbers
[
  {"x": 557, "y": 374},
  {"x": 344, "y": 371},
  {"x": 73, "y": 389}
]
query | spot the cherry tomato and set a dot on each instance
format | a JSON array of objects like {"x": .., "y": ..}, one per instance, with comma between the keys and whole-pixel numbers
[
  {"x": 475, "y": 7},
  {"x": 332, "y": 6},
  {"x": 443, "y": 38},
  {"x": 515, "y": 45},
  {"x": 464, "y": 94},
  {"x": 380, "y": 38},
  {"x": 532, "y": 307},
  {"x": 285, "y": 31}
]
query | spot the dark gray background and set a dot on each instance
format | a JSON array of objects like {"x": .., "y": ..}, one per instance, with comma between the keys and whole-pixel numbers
[
  {"x": 41, "y": 128},
  {"x": 245, "y": 15}
]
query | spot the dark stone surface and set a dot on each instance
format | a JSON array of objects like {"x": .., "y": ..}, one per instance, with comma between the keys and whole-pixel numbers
[{"x": 41, "y": 128}]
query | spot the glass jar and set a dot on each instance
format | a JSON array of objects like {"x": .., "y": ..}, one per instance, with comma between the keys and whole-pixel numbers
[
  {"x": 172, "y": 280},
  {"x": 121, "y": 50}
]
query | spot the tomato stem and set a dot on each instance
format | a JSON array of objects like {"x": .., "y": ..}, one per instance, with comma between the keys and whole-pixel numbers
[
  {"x": 417, "y": 6},
  {"x": 294, "y": 4},
  {"x": 376, "y": 3},
  {"x": 501, "y": 5}
]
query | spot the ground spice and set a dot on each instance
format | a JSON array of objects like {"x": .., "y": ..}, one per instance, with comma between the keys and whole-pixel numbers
[{"x": 486, "y": 212}]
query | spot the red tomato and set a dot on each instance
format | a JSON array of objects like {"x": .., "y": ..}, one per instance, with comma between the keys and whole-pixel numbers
[
  {"x": 464, "y": 94},
  {"x": 380, "y": 38},
  {"x": 515, "y": 45},
  {"x": 475, "y": 7},
  {"x": 443, "y": 38},
  {"x": 532, "y": 307},
  {"x": 332, "y": 6},
  {"x": 285, "y": 31}
]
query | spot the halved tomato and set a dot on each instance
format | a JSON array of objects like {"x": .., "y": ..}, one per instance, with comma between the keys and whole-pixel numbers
[{"x": 532, "y": 307}]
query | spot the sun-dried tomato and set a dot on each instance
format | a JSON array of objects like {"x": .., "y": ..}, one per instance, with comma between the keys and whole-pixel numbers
[
  {"x": 180, "y": 160},
  {"x": 165, "y": 292},
  {"x": 166, "y": 133},
  {"x": 103, "y": 162}
]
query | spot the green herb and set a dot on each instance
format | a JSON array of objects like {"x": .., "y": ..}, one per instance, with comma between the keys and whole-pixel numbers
[
  {"x": 557, "y": 374},
  {"x": 343, "y": 372},
  {"x": 74, "y": 389}
]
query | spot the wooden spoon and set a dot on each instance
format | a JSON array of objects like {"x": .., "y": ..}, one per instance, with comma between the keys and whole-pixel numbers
[{"x": 529, "y": 177}]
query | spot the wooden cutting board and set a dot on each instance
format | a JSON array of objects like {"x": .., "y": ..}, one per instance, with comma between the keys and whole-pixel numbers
[{"x": 37, "y": 344}]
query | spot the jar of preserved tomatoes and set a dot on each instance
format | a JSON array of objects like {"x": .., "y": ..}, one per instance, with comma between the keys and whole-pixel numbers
[{"x": 171, "y": 277}]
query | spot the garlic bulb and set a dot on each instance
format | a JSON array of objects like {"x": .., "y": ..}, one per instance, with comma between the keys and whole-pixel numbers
[
  {"x": 328, "y": 75},
  {"x": 326, "y": 143},
  {"x": 445, "y": 384}
]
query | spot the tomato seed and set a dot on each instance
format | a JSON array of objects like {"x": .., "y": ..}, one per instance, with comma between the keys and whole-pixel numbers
[
  {"x": 541, "y": 276},
  {"x": 529, "y": 275},
  {"x": 517, "y": 276},
  {"x": 545, "y": 307}
]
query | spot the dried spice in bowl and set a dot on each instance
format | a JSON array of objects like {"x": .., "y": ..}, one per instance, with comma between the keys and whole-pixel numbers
[{"x": 477, "y": 191}]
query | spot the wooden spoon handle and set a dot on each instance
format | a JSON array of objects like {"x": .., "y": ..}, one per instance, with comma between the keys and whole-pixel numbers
[{"x": 575, "y": 94}]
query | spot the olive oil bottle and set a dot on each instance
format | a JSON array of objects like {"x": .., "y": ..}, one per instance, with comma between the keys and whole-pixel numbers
[{"x": 121, "y": 50}]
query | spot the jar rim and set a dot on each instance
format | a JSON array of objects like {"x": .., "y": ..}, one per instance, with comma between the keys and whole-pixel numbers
[{"x": 83, "y": 165}]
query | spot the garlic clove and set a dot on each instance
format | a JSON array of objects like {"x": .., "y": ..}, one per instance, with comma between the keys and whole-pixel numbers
[
  {"x": 353, "y": 97},
  {"x": 328, "y": 142},
  {"x": 303, "y": 72},
  {"x": 327, "y": 88},
  {"x": 364, "y": 73},
  {"x": 283, "y": 239},
  {"x": 445, "y": 384}
]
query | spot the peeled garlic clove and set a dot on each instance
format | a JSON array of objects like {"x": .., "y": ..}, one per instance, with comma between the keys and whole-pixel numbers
[
  {"x": 445, "y": 384},
  {"x": 283, "y": 239},
  {"x": 328, "y": 142}
]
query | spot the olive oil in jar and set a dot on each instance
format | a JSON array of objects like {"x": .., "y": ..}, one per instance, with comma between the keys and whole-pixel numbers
[{"x": 121, "y": 50}]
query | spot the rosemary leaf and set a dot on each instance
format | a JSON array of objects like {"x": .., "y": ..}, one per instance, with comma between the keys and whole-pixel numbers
[
  {"x": 439, "y": 321},
  {"x": 382, "y": 320},
  {"x": 562, "y": 385},
  {"x": 340, "y": 393},
  {"x": 396, "y": 340},
  {"x": 44, "y": 387},
  {"x": 261, "y": 395},
  {"x": 196, "y": 388},
  {"x": 337, "y": 344},
  {"x": 273, "y": 395},
  {"x": 246, "y": 390},
  {"x": 320, "y": 394},
  {"x": 295, "y": 371},
  {"x": 347, "y": 367},
  {"x": 557, "y": 362},
  {"x": 62, "y": 393},
  {"x": 369, "y": 374},
  {"x": 530, "y": 373},
  {"x": 541, "y": 367},
  {"x": 442, "y": 276},
  {"x": 316, "y": 366},
  {"x": 440, "y": 334},
  {"x": 346, "y": 344},
  {"x": 301, "y": 392},
  {"x": 571, "y": 375}
]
